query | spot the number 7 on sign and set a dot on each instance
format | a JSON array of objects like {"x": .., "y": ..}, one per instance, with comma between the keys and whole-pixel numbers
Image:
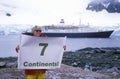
[{"x": 44, "y": 47}]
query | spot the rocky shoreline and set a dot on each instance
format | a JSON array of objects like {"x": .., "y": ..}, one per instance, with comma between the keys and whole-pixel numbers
[
  {"x": 65, "y": 72},
  {"x": 96, "y": 58},
  {"x": 88, "y": 63}
]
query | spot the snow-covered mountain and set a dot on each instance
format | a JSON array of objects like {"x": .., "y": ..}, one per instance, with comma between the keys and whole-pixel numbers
[
  {"x": 13, "y": 29},
  {"x": 51, "y": 11},
  {"x": 18, "y": 15},
  {"x": 37, "y": 11}
]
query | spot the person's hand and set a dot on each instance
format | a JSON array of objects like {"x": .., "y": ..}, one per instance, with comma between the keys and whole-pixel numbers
[
  {"x": 64, "y": 47},
  {"x": 17, "y": 48}
]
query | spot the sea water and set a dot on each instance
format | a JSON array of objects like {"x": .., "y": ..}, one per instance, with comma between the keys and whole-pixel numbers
[{"x": 9, "y": 42}]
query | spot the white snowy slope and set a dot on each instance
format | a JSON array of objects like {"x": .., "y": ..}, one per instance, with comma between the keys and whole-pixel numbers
[{"x": 45, "y": 12}]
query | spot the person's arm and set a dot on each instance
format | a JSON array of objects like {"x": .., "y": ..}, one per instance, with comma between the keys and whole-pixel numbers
[{"x": 17, "y": 48}]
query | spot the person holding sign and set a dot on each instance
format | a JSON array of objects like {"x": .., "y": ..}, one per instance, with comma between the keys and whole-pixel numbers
[{"x": 34, "y": 73}]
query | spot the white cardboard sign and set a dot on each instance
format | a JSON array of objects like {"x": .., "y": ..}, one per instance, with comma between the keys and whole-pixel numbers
[{"x": 40, "y": 52}]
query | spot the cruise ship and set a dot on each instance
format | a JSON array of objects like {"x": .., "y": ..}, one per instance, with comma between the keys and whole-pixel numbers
[{"x": 76, "y": 32}]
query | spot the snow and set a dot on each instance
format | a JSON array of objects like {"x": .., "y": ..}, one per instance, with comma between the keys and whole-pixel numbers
[{"x": 43, "y": 12}]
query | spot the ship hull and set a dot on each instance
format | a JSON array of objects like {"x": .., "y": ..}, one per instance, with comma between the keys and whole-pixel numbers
[{"x": 103, "y": 34}]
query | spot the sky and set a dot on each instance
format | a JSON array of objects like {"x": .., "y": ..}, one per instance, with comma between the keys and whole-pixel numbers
[{"x": 46, "y": 12}]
